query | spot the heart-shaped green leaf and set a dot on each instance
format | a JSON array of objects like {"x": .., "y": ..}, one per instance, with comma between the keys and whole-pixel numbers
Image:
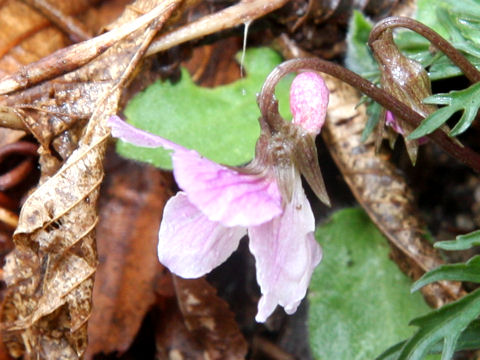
[{"x": 220, "y": 123}]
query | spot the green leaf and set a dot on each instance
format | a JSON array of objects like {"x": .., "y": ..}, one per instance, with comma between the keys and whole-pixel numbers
[
  {"x": 359, "y": 58},
  {"x": 468, "y": 340},
  {"x": 373, "y": 111},
  {"x": 461, "y": 242},
  {"x": 220, "y": 123},
  {"x": 359, "y": 299},
  {"x": 451, "y": 22},
  {"x": 443, "y": 68},
  {"x": 469, "y": 271},
  {"x": 467, "y": 100},
  {"x": 428, "y": 17},
  {"x": 445, "y": 324}
]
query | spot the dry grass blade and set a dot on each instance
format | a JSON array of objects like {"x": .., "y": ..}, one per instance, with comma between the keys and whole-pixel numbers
[
  {"x": 50, "y": 273},
  {"x": 380, "y": 190}
]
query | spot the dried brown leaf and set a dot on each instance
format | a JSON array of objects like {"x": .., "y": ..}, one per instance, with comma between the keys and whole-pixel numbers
[
  {"x": 25, "y": 37},
  {"x": 50, "y": 273},
  {"x": 381, "y": 191},
  {"x": 130, "y": 209},
  {"x": 202, "y": 327}
]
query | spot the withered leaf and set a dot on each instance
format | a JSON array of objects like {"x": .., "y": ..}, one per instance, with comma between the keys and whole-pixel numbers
[
  {"x": 381, "y": 191},
  {"x": 50, "y": 272},
  {"x": 130, "y": 209},
  {"x": 203, "y": 327},
  {"x": 25, "y": 37}
]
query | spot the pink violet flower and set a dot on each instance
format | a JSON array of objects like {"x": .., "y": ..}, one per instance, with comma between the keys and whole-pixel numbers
[{"x": 203, "y": 224}]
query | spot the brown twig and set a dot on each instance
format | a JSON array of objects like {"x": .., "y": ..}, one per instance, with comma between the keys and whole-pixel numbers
[
  {"x": 17, "y": 174},
  {"x": 463, "y": 154},
  {"x": 241, "y": 13},
  {"x": 10, "y": 118},
  {"x": 7, "y": 202},
  {"x": 8, "y": 217},
  {"x": 271, "y": 350},
  {"x": 439, "y": 42},
  {"x": 75, "y": 56},
  {"x": 68, "y": 24}
]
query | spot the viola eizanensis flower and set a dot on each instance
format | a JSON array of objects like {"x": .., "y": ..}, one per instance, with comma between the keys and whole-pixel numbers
[
  {"x": 203, "y": 224},
  {"x": 392, "y": 122}
]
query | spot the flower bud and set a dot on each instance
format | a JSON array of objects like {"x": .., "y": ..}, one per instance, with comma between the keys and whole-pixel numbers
[{"x": 308, "y": 101}]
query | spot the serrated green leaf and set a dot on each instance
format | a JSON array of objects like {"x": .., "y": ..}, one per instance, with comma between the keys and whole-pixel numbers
[
  {"x": 445, "y": 324},
  {"x": 358, "y": 57},
  {"x": 461, "y": 242},
  {"x": 359, "y": 299},
  {"x": 220, "y": 123},
  {"x": 469, "y": 271},
  {"x": 467, "y": 100}
]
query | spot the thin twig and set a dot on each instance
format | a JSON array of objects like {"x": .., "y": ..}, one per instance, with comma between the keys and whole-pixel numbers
[
  {"x": 10, "y": 118},
  {"x": 75, "y": 56},
  {"x": 8, "y": 217},
  {"x": 439, "y": 42},
  {"x": 20, "y": 172},
  {"x": 241, "y": 13},
  {"x": 68, "y": 24},
  {"x": 266, "y": 97}
]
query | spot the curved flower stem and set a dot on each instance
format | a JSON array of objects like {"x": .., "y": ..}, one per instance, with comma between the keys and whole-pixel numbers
[
  {"x": 270, "y": 114},
  {"x": 439, "y": 42}
]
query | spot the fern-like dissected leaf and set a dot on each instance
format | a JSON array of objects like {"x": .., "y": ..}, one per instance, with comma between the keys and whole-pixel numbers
[
  {"x": 467, "y": 100},
  {"x": 469, "y": 271},
  {"x": 444, "y": 325},
  {"x": 469, "y": 339},
  {"x": 462, "y": 242}
]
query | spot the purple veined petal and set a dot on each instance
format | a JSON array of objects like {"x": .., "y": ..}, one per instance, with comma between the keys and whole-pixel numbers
[
  {"x": 309, "y": 101},
  {"x": 286, "y": 254},
  {"x": 226, "y": 195},
  {"x": 189, "y": 244},
  {"x": 221, "y": 193}
]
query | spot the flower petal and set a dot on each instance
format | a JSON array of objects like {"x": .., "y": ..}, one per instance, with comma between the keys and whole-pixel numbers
[
  {"x": 391, "y": 121},
  {"x": 224, "y": 194},
  {"x": 132, "y": 135},
  {"x": 189, "y": 244},
  {"x": 221, "y": 193},
  {"x": 286, "y": 253}
]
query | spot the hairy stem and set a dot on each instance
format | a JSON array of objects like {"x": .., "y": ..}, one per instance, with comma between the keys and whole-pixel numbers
[
  {"x": 439, "y": 42},
  {"x": 266, "y": 99}
]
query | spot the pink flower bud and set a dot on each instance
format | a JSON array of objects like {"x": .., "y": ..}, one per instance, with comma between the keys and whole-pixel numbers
[{"x": 309, "y": 101}]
